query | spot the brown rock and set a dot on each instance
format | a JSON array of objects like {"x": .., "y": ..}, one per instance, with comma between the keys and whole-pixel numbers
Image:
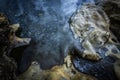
[{"x": 62, "y": 72}]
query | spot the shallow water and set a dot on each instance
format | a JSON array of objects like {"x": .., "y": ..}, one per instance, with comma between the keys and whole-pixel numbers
[{"x": 46, "y": 22}]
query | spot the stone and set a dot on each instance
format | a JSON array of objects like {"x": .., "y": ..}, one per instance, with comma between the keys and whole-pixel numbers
[
  {"x": 112, "y": 9},
  {"x": 65, "y": 71},
  {"x": 116, "y": 65},
  {"x": 8, "y": 40},
  {"x": 90, "y": 24}
]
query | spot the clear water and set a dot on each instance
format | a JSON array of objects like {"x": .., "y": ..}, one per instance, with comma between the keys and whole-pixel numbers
[{"x": 46, "y": 22}]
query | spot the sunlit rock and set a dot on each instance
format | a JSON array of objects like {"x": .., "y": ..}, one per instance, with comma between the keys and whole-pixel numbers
[
  {"x": 91, "y": 25},
  {"x": 62, "y": 72}
]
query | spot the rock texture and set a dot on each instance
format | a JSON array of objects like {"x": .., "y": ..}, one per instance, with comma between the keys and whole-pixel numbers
[
  {"x": 116, "y": 65},
  {"x": 8, "y": 41},
  {"x": 62, "y": 72},
  {"x": 90, "y": 24},
  {"x": 117, "y": 68},
  {"x": 112, "y": 9}
]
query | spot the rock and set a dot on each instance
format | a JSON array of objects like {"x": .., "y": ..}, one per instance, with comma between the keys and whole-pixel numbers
[
  {"x": 62, "y": 72},
  {"x": 112, "y": 9},
  {"x": 8, "y": 41},
  {"x": 91, "y": 25},
  {"x": 7, "y": 34},
  {"x": 116, "y": 65},
  {"x": 117, "y": 68},
  {"x": 8, "y": 68},
  {"x": 4, "y": 32},
  {"x": 16, "y": 41},
  {"x": 102, "y": 70},
  {"x": 7, "y": 65}
]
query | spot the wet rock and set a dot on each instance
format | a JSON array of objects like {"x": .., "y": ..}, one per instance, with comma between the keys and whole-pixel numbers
[
  {"x": 116, "y": 65},
  {"x": 16, "y": 41},
  {"x": 112, "y": 9},
  {"x": 117, "y": 68},
  {"x": 4, "y": 33},
  {"x": 102, "y": 70},
  {"x": 91, "y": 25},
  {"x": 8, "y": 41},
  {"x": 8, "y": 68},
  {"x": 47, "y": 24},
  {"x": 7, "y": 65},
  {"x": 62, "y": 72}
]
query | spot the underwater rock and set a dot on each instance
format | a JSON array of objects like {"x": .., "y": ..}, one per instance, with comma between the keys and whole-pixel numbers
[
  {"x": 102, "y": 70},
  {"x": 8, "y": 41},
  {"x": 65, "y": 71}
]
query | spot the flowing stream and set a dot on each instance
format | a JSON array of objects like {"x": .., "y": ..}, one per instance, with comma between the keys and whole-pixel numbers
[{"x": 46, "y": 22}]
